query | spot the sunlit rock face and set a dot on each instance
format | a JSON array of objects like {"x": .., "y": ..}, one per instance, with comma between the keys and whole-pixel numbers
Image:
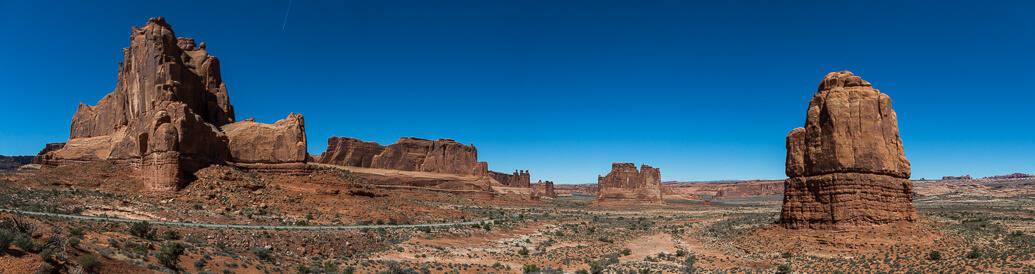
[
  {"x": 847, "y": 166},
  {"x": 626, "y": 184},
  {"x": 165, "y": 114}
]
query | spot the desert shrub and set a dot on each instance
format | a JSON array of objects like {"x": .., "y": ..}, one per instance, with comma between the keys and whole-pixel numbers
[
  {"x": 679, "y": 253},
  {"x": 76, "y": 232},
  {"x": 530, "y": 268},
  {"x": 142, "y": 230},
  {"x": 626, "y": 252},
  {"x": 688, "y": 264},
  {"x": 6, "y": 238},
  {"x": 171, "y": 235},
  {"x": 89, "y": 263},
  {"x": 348, "y": 270},
  {"x": 25, "y": 243},
  {"x": 263, "y": 253},
  {"x": 974, "y": 253},
  {"x": 169, "y": 254},
  {"x": 523, "y": 251},
  {"x": 934, "y": 255},
  {"x": 783, "y": 269}
]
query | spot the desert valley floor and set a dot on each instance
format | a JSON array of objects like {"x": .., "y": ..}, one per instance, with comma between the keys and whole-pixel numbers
[{"x": 965, "y": 226}]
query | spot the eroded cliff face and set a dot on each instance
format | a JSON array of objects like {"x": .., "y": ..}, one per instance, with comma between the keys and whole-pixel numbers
[
  {"x": 625, "y": 183},
  {"x": 847, "y": 166},
  {"x": 277, "y": 143},
  {"x": 440, "y": 156},
  {"x": 345, "y": 151},
  {"x": 520, "y": 178},
  {"x": 164, "y": 115}
]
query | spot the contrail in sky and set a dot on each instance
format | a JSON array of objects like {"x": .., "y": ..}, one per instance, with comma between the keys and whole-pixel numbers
[{"x": 282, "y": 26}]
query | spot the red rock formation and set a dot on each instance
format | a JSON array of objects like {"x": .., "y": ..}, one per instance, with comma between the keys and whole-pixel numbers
[
  {"x": 441, "y": 156},
  {"x": 164, "y": 115},
  {"x": 847, "y": 166},
  {"x": 625, "y": 183},
  {"x": 42, "y": 156},
  {"x": 277, "y": 143},
  {"x": 544, "y": 189},
  {"x": 520, "y": 178},
  {"x": 350, "y": 152}
]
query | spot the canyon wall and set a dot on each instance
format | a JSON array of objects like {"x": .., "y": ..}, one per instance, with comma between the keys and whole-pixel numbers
[{"x": 520, "y": 178}]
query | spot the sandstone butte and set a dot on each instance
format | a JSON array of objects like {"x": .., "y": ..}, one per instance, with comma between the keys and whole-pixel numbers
[
  {"x": 847, "y": 166},
  {"x": 626, "y": 184},
  {"x": 544, "y": 189},
  {"x": 170, "y": 115},
  {"x": 415, "y": 154}
]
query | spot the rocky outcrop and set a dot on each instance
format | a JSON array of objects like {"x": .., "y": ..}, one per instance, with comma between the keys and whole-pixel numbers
[
  {"x": 164, "y": 115},
  {"x": 277, "y": 143},
  {"x": 440, "y": 156},
  {"x": 625, "y": 183},
  {"x": 520, "y": 178},
  {"x": 345, "y": 151},
  {"x": 847, "y": 165},
  {"x": 544, "y": 189},
  {"x": 41, "y": 157}
]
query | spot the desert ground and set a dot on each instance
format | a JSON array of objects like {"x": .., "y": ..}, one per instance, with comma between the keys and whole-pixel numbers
[{"x": 338, "y": 221}]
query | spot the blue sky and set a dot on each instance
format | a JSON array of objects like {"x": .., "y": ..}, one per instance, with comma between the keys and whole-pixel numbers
[{"x": 704, "y": 91}]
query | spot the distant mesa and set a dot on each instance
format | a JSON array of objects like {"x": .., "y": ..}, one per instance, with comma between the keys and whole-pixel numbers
[
  {"x": 961, "y": 178},
  {"x": 847, "y": 166},
  {"x": 170, "y": 115},
  {"x": 1011, "y": 176},
  {"x": 626, "y": 184}
]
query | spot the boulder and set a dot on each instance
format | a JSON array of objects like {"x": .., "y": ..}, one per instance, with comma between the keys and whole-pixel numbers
[
  {"x": 847, "y": 166},
  {"x": 626, "y": 184},
  {"x": 277, "y": 143}
]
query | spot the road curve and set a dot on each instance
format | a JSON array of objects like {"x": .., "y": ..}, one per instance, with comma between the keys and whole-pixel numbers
[{"x": 237, "y": 226}]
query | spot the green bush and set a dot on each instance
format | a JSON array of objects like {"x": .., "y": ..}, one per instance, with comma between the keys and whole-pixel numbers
[
  {"x": 523, "y": 251},
  {"x": 262, "y": 253},
  {"x": 783, "y": 269},
  {"x": 530, "y": 268},
  {"x": 934, "y": 255},
  {"x": 89, "y": 263},
  {"x": 171, "y": 235},
  {"x": 974, "y": 253},
  {"x": 25, "y": 243},
  {"x": 626, "y": 252},
  {"x": 6, "y": 238},
  {"x": 142, "y": 230},
  {"x": 169, "y": 255}
]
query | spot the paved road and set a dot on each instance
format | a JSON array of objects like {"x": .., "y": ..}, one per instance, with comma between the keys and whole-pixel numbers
[{"x": 237, "y": 226}]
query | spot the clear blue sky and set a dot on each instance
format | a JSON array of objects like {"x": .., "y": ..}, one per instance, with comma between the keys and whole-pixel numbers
[{"x": 563, "y": 88}]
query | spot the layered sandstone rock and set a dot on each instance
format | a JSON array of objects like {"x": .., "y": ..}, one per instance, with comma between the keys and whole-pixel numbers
[
  {"x": 440, "y": 156},
  {"x": 520, "y": 178},
  {"x": 350, "y": 152},
  {"x": 544, "y": 189},
  {"x": 847, "y": 166},
  {"x": 625, "y": 183},
  {"x": 41, "y": 157},
  {"x": 164, "y": 115},
  {"x": 277, "y": 143}
]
